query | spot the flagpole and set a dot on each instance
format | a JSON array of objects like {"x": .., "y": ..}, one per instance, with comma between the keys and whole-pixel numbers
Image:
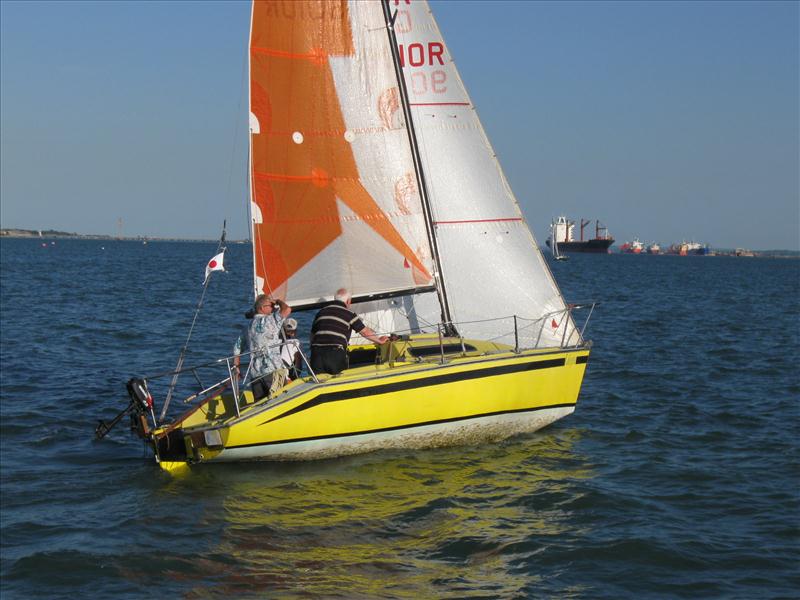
[{"x": 220, "y": 248}]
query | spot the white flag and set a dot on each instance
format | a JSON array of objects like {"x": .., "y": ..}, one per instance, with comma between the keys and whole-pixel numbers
[{"x": 215, "y": 264}]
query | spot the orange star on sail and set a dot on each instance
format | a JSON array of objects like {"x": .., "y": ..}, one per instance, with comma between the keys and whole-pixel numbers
[{"x": 301, "y": 160}]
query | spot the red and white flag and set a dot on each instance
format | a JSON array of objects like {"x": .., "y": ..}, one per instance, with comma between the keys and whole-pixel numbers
[{"x": 215, "y": 264}]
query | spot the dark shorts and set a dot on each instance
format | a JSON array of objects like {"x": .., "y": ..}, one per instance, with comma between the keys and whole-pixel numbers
[
  {"x": 328, "y": 359},
  {"x": 260, "y": 387}
]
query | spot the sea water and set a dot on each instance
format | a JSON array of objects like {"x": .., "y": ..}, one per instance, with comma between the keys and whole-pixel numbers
[{"x": 677, "y": 476}]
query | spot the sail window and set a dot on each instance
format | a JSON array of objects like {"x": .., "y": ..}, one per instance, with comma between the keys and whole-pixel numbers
[{"x": 423, "y": 351}]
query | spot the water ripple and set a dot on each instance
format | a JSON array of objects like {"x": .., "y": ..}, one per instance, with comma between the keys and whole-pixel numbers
[{"x": 676, "y": 477}]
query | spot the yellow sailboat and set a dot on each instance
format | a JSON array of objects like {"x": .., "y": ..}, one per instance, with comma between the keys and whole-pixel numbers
[{"x": 370, "y": 170}]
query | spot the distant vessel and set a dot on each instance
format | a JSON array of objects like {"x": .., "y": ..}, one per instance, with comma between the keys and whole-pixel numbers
[
  {"x": 634, "y": 247},
  {"x": 554, "y": 246},
  {"x": 689, "y": 249},
  {"x": 697, "y": 248},
  {"x": 654, "y": 248},
  {"x": 561, "y": 232}
]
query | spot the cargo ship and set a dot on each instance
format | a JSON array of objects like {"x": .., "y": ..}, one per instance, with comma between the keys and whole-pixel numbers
[
  {"x": 689, "y": 249},
  {"x": 562, "y": 231}
]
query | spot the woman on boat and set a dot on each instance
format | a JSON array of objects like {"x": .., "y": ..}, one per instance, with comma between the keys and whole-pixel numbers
[{"x": 264, "y": 341}]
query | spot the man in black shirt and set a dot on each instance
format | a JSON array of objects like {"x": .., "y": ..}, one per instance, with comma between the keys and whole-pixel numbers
[{"x": 330, "y": 334}]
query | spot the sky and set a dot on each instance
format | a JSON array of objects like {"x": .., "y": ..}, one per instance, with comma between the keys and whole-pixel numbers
[{"x": 668, "y": 121}]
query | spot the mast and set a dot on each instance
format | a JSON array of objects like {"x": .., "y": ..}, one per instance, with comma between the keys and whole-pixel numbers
[
  {"x": 583, "y": 225},
  {"x": 430, "y": 229}
]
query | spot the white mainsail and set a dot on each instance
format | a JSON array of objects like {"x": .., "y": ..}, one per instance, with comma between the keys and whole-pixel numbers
[{"x": 491, "y": 265}]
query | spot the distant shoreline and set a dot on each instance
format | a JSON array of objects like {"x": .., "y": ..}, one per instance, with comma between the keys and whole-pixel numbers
[{"x": 66, "y": 235}]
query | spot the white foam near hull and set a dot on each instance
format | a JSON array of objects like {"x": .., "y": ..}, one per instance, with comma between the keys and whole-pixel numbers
[{"x": 466, "y": 431}]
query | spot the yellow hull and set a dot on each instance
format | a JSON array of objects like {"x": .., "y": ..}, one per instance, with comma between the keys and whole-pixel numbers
[{"x": 467, "y": 399}]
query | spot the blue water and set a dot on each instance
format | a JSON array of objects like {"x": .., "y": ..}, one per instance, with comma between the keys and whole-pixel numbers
[{"x": 677, "y": 476}]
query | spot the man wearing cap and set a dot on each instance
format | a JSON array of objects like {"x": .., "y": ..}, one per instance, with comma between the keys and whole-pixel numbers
[
  {"x": 290, "y": 351},
  {"x": 330, "y": 334},
  {"x": 264, "y": 341}
]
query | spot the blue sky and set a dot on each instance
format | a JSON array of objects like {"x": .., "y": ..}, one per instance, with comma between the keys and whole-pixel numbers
[{"x": 666, "y": 120}]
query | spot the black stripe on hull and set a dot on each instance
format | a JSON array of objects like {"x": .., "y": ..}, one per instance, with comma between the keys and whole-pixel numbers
[
  {"x": 398, "y": 427},
  {"x": 418, "y": 383},
  {"x": 582, "y": 360}
]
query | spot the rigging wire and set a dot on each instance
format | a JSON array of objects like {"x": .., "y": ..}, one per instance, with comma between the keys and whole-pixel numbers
[{"x": 173, "y": 383}]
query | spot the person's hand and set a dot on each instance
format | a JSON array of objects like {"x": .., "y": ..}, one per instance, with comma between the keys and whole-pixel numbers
[{"x": 383, "y": 339}]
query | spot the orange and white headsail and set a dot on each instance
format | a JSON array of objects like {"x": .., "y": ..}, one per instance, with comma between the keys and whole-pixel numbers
[{"x": 334, "y": 198}]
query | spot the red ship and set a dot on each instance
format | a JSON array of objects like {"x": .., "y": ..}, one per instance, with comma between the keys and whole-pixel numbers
[{"x": 634, "y": 247}]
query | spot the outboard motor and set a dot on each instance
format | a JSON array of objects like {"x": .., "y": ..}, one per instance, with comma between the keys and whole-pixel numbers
[
  {"x": 137, "y": 390},
  {"x": 140, "y": 405}
]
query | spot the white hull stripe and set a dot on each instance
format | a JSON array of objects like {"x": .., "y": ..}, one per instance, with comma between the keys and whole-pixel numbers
[
  {"x": 411, "y": 426},
  {"x": 445, "y": 433}
]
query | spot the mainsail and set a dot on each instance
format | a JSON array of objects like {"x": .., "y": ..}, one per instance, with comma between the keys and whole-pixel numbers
[
  {"x": 334, "y": 199},
  {"x": 335, "y": 194},
  {"x": 491, "y": 263}
]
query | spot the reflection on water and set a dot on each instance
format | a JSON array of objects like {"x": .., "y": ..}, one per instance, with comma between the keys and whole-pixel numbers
[{"x": 455, "y": 521}]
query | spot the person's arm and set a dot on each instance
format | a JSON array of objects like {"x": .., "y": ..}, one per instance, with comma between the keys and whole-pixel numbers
[
  {"x": 286, "y": 310},
  {"x": 372, "y": 336},
  {"x": 237, "y": 350}
]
